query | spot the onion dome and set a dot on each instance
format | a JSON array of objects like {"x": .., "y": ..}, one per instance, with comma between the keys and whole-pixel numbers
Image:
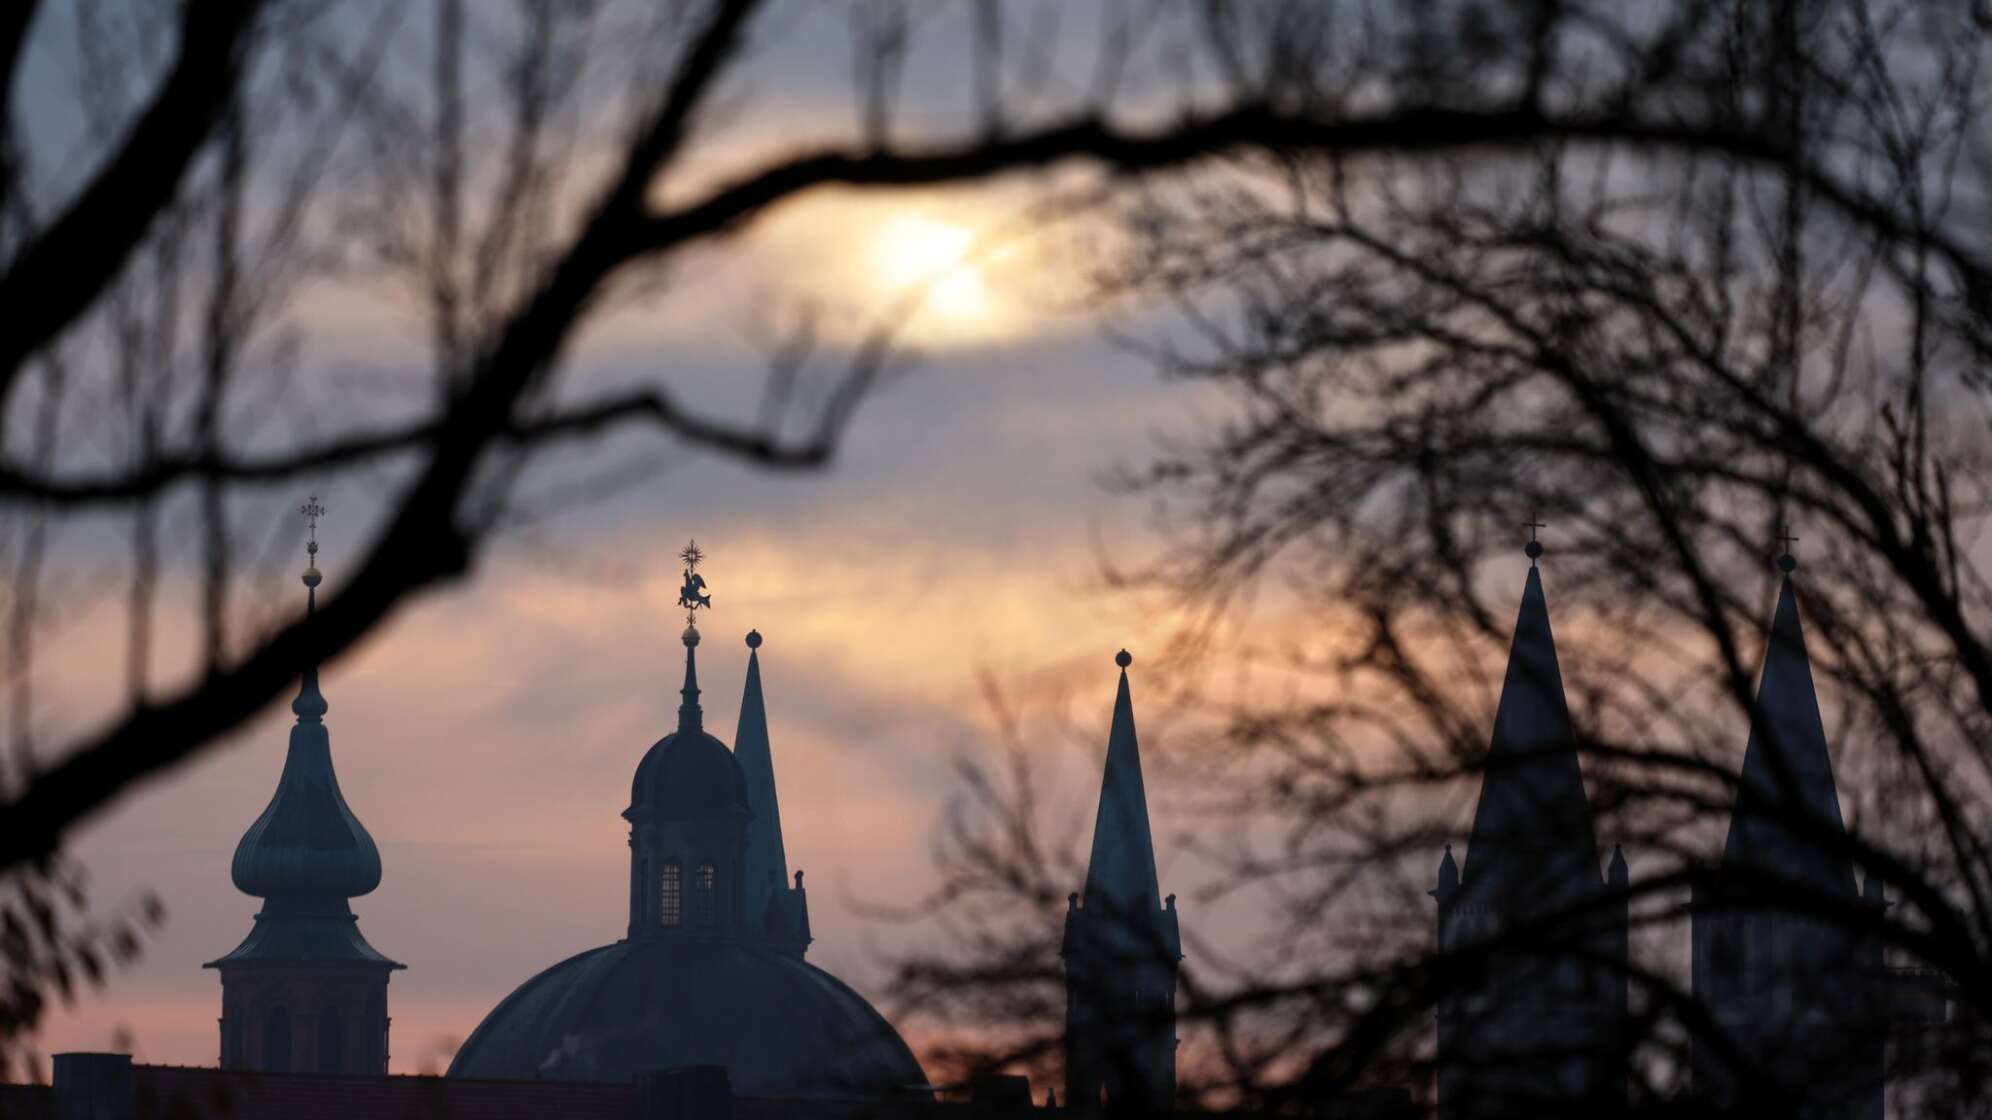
[
  {"x": 307, "y": 844},
  {"x": 688, "y": 773},
  {"x": 307, "y": 854}
]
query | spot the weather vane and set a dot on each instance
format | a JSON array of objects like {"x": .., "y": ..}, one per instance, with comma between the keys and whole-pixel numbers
[{"x": 692, "y": 596}]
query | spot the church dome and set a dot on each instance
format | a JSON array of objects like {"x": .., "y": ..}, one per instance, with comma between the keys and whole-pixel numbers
[
  {"x": 307, "y": 844},
  {"x": 780, "y": 1026},
  {"x": 688, "y": 773}
]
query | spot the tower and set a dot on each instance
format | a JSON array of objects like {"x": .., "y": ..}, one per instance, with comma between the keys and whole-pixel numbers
[
  {"x": 1532, "y": 1024},
  {"x": 304, "y": 991},
  {"x": 1803, "y": 1001},
  {"x": 777, "y": 907},
  {"x": 688, "y": 815},
  {"x": 1122, "y": 947}
]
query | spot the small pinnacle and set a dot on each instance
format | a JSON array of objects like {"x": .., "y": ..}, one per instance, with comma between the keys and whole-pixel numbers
[
  {"x": 1123, "y": 659},
  {"x": 753, "y": 639},
  {"x": 1449, "y": 849}
]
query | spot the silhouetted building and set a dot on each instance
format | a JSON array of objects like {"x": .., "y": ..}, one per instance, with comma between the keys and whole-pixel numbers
[
  {"x": 1802, "y": 999},
  {"x": 1532, "y": 1012},
  {"x": 1121, "y": 948},
  {"x": 304, "y": 991},
  {"x": 712, "y": 971}
]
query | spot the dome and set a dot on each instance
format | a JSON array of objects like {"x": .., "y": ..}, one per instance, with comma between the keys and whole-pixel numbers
[
  {"x": 781, "y": 1027},
  {"x": 688, "y": 773},
  {"x": 307, "y": 843}
]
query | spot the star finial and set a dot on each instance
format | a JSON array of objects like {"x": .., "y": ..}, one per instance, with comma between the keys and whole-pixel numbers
[
  {"x": 1786, "y": 561},
  {"x": 692, "y": 596}
]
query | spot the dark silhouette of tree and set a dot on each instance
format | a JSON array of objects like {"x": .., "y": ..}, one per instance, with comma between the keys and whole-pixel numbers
[
  {"x": 1669, "y": 352},
  {"x": 1472, "y": 259}
]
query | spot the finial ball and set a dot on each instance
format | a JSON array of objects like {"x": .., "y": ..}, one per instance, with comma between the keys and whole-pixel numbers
[
  {"x": 1533, "y": 550},
  {"x": 1787, "y": 563},
  {"x": 691, "y": 635},
  {"x": 312, "y": 577},
  {"x": 1123, "y": 659},
  {"x": 753, "y": 639}
]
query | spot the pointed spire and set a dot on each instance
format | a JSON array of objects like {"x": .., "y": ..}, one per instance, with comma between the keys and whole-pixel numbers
[
  {"x": 1121, "y": 872},
  {"x": 1532, "y": 831},
  {"x": 767, "y": 862},
  {"x": 1786, "y": 796},
  {"x": 691, "y": 718},
  {"x": 1448, "y": 875}
]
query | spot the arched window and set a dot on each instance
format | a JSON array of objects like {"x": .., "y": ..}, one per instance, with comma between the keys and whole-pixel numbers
[
  {"x": 673, "y": 911},
  {"x": 277, "y": 1041},
  {"x": 708, "y": 884},
  {"x": 331, "y": 1041}
]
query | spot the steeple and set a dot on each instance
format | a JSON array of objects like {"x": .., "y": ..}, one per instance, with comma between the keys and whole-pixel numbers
[
  {"x": 1121, "y": 870},
  {"x": 1786, "y": 797},
  {"x": 1535, "y": 1027},
  {"x": 778, "y": 910},
  {"x": 1122, "y": 946},
  {"x": 307, "y": 850},
  {"x": 1532, "y": 830},
  {"x": 305, "y": 991}
]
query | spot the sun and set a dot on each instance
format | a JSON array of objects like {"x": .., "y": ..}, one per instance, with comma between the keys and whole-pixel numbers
[{"x": 934, "y": 262}]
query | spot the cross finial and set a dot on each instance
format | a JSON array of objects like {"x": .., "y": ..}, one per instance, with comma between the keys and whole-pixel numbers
[
  {"x": 1786, "y": 561},
  {"x": 1533, "y": 549},
  {"x": 312, "y": 512}
]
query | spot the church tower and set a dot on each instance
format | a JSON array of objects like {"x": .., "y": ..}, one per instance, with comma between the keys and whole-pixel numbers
[
  {"x": 1532, "y": 1025},
  {"x": 1121, "y": 948},
  {"x": 304, "y": 992},
  {"x": 777, "y": 907},
  {"x": 1802, "y": 999}
]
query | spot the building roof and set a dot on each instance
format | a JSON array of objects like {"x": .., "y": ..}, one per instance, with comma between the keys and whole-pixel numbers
[
  {"x": 1533, "y": 839},
  {"x": 688, "y": 773},
  {"x": 780, "y": 1026},
  {"x": 767, "y": 860},
  {"x": 307, "y": 854},
  {"x": 1120, "y": 872},
  {"x": 1786, "y": 798}
]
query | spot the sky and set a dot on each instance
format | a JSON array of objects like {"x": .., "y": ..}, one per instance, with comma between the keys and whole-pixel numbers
[{"x": 487, "y": 736}]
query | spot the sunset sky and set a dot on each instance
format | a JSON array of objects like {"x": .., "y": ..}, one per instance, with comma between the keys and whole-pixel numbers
[{"x": 488, "y": 735}]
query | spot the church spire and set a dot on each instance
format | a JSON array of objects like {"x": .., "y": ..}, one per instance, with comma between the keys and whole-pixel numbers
[
  {"x": 1786, "y": 790},
  {"x": 1121, "y": 870},
  {"x": 305, "y": 967},
  {"x": 1532, "y": 828},
  {"x": 778, "y": 908},
  {"x": 691, "y": 596},
  {"x": 308, "y": 847}
]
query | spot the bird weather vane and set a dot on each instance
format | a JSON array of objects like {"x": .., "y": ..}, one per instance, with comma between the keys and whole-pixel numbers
[{"x": 692, "y": 596}]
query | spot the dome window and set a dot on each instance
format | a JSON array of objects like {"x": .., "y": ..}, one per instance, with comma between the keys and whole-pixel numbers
[
  {"x": 704, "y": 906},
  {"x": 674, "y": 894}
]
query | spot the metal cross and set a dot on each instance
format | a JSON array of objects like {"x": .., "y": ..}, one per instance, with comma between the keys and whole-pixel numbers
[
  {"x": 1785, "y": 538},
  {"x": 1532, "y": 525},
  {"x": 312, "y": 512}
]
